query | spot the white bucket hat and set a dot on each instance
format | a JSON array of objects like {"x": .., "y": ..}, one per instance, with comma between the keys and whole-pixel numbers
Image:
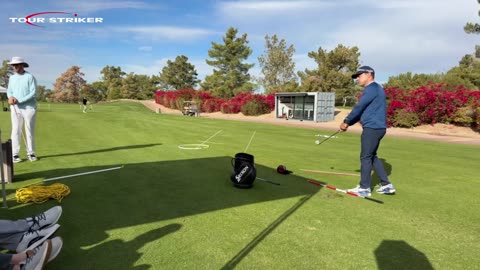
[{"x": 18, "y": 60}]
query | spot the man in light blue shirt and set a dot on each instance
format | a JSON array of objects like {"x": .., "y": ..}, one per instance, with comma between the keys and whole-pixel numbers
[{"x": 22, "y": 97}]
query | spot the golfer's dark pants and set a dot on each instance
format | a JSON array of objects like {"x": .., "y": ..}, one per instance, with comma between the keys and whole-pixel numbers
[
  {"x": 5, "y": 260},
  {"x": 368, "y": 157}
]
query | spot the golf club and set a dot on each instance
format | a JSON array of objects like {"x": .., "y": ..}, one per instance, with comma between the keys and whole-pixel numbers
[
  {"x": 268, "y": 181},
  {"x": 332, "y": 173},
  {"x": 318, "y": 142},
  {"x": 344, "y": 191},
  {"x": 4, "y": 194}
]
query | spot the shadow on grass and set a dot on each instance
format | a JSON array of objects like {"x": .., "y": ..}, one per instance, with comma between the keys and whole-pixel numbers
[
  {"x": 147, "y": 193},
  {"x": 394, "y": 254},
  {"x": 388, "y": 169},
  {"x": 258, "y": 239},
  {"x": 123, "y": 254},
  {"x": 127, "y": 147}
]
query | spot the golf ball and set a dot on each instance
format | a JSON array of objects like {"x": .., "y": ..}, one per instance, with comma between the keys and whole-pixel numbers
[{"x": 317, "y": 142}]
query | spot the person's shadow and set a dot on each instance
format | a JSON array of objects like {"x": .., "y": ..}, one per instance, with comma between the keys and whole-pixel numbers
[
  {"x": 122, "y": 254},
  {"x": 388, "y": 170},
  {"x": 397, "y": 254}
]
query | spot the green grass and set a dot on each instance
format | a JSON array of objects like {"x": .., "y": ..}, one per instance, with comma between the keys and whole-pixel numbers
[{"x": 169, "y": 208}]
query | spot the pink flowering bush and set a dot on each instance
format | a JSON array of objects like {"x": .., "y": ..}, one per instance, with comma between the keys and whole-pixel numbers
[
  {"x": 430, "y": 104},
  {"x": 207, "y": 103}
]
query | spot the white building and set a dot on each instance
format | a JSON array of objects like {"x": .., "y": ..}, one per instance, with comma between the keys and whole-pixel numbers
[{"x": 305, "y": 106}]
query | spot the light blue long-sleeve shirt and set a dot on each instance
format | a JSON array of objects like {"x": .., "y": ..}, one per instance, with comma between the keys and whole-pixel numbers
[{"x": 24, "y": 88}]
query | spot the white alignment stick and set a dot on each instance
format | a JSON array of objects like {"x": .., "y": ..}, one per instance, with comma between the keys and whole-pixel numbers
[{"x": 78, "y": 174}]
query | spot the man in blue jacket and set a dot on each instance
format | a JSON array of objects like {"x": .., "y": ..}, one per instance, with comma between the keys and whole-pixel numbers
[
  {"x": 370, "y": 111},
  {"x": 22, "y": 97}
]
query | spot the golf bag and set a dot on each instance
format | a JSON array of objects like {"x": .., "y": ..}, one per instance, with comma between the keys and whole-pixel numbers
[{"x": 244, "y": 172}]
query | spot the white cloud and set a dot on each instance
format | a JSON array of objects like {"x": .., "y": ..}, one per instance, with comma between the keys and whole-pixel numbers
[
  {"x": 46, "y": 63},
  {"x": 427, "y": 37},
  {"x": 395, "y": 35},
  {"x": 239, "y": 8},
  {"x": 201, "y": 66},
  {"x": 149, "y": 69},
  {"x": 145, "y": 48},
  {"x": 83, "y": 6},
  {"x": 154, "y": 68},
  {"x": 158, "y": 33},
  {"x": 92, "y": 73}
]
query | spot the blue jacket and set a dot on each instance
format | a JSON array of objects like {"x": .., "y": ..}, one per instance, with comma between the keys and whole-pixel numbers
[{"x": 371, "y": 110}]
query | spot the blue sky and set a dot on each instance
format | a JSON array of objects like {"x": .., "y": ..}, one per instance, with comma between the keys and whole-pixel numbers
[{"x": 394, "y": 36}]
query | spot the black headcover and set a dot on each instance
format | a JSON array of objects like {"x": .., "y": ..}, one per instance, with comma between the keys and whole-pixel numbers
[
  {"x": 244, "y": 172},
  {"x": 281, "y": 169}
]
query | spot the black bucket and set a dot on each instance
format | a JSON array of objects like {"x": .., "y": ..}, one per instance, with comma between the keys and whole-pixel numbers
[{"x": 244, "y": 172}]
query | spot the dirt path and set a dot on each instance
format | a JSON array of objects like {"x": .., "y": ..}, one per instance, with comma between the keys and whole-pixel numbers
[{"x": 437, "y": 132}]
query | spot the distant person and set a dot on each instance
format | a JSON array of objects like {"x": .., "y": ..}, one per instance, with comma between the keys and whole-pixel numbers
[
  {"x": 29, "y": 239},
  {"x": 22, "y": 97},
  {"x": 84, "y": 101},
  {"x": 371, "y": 112}
]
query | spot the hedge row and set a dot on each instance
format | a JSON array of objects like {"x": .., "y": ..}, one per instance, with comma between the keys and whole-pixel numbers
[
  {"x": 247, "y": 103},
  {"x": 430, "y": 104},
  {"x": 433, "y": 103}
]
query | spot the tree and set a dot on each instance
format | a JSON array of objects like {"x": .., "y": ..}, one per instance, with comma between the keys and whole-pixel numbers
[
  {"x": 137, "y": 87},
  {"x": 96, "y": 91},
  {"x": 43, "y": 93},
  {"x": 179, "y": 74},
  {"x": 5, "y": 72},
  {"x": 469, "y": 69},
  {"x": 146, "y": 87},
  {"x": 68, "y": 86},
  {"x": 467, "y": 73},
  {"x": 277, "y": 65},
  {"x": 112, "y": 77},
  {"x": 230, "y": 76},
  {"x": 410, "y": 81},
  {"x": 472, "y": 28},
  {"x": 334, "y": 72}
]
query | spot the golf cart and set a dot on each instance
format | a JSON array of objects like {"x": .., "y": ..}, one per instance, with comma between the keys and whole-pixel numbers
[{"x": 190, "y": 108}]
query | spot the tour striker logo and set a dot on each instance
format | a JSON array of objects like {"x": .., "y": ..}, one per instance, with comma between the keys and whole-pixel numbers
[{"x": 40, "y": 19}]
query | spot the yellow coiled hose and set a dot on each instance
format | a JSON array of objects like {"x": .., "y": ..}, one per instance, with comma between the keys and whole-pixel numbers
[{"x": 40, "y": 194}]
